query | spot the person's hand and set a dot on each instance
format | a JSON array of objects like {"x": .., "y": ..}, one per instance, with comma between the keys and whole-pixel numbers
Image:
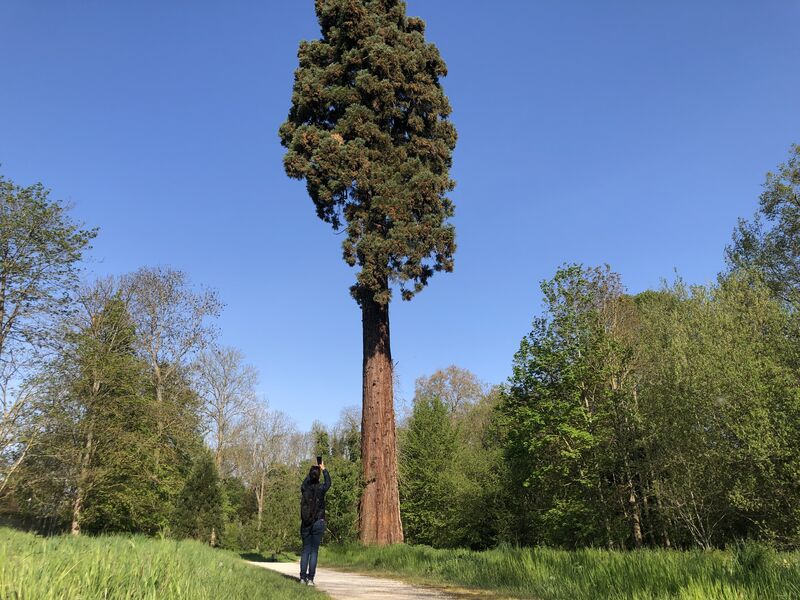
[{"x": 322, "y": 465}]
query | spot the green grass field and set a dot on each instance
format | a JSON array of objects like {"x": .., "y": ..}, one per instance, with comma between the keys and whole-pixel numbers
[
  {"x": 748, "y": 572},
  {"x": 127, "y": 568}
]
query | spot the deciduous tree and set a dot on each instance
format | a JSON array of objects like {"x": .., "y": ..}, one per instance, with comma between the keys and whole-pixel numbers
[
  {"x": 266, "y": 440},
  {"x": 227, "y": 387},
  {"x": 41, "y": 247},
  {"x": 566, "y": 415},
  {"x": 457, "y": 388},
  {"x": 172, "y": 325},
  {"x": 770, "y": 242}
]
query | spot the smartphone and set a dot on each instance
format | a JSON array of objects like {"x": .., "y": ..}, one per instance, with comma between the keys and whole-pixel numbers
[{"x": 319, "y": 460}]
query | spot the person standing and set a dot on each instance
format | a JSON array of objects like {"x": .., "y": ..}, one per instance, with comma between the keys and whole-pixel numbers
[{"x": 312, "y": 519}]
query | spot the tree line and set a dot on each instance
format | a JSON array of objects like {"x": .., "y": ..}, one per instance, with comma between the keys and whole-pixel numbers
[
  {"x": 121, "y": 412},
  {"x": 666, "y": 418}
]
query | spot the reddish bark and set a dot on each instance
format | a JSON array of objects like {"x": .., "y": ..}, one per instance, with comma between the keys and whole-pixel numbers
[{"x": 379, "y": 511}]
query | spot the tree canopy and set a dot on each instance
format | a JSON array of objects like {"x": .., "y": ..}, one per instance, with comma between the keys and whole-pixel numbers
[
  {"x": 769, "y": 242},
  {"x": 369, "y": 131}
]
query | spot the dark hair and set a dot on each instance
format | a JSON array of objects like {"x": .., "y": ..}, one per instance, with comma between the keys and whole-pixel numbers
[{"x": 313, "y": 474}]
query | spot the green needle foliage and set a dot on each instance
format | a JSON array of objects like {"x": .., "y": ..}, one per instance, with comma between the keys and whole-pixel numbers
[
  {"x": 111, "y": 414},
  {"x": 369, "y": 132},
  {"x": 429, "y": 496},
  {"x": 200, "y": 505}
]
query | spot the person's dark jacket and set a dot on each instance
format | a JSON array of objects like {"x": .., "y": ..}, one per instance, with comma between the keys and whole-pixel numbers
[{"x": 319, "y": 489}]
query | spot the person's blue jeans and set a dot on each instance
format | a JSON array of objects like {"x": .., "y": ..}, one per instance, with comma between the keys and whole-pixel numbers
[{"x": 311, "y": 540}]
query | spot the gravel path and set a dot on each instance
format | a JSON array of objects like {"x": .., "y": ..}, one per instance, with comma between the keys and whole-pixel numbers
[{"x": 350, "y": 586}]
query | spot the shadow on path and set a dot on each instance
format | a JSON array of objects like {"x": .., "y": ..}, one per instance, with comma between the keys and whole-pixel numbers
[{"x": 257, "y": 557}]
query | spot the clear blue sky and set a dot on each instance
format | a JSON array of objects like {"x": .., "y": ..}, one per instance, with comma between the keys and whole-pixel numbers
[{"x": 627, "y": 132}]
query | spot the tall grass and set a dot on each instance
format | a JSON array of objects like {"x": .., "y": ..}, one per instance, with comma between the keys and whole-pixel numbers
[
  {"x": 747, "y": 572},
  {"x": 128, "y": 568}
]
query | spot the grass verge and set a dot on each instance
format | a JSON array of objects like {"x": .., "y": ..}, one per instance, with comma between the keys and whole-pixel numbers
[
  {"x": 132, "y": 568},
  {"x": 748, "y": 572}
]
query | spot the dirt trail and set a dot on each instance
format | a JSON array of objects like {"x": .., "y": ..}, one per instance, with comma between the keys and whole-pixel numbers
[{"x": 350, "y": 586}]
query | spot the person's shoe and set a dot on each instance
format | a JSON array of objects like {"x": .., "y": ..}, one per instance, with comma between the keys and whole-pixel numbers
[
  {"x": 303, "y": 580},
  {"x": 310, "y": 582}
]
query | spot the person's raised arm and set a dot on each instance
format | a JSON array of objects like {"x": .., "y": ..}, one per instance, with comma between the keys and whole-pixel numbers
[{"x": 327, "y": 477}]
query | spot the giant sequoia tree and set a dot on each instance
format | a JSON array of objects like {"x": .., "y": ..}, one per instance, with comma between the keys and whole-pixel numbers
[{"x": 368, "y": 130}]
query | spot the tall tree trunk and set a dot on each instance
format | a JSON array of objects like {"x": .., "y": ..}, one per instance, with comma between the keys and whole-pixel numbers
[
  {"x": 76, "y": 513},
  {"x": 83, "y": 478},
  {"x": 664, "y": 522},
  {"x": 14, "y": 466},
  {"x": 647, "y": 518},
  {"x": 3, "y": 283},
  {"x": 159, "y": 385},
  {"x": 260, "y": 501},
  {"x": 663, "y": 518},
  {"x": 218, "y": 449},
  {"x": 635, "y": 508},
  {"x": 636, "y": 516},
  {"x": 2, "y": 311},
  {"x": 379, "y": 510},
  {"x": 609, "y": 536}
]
